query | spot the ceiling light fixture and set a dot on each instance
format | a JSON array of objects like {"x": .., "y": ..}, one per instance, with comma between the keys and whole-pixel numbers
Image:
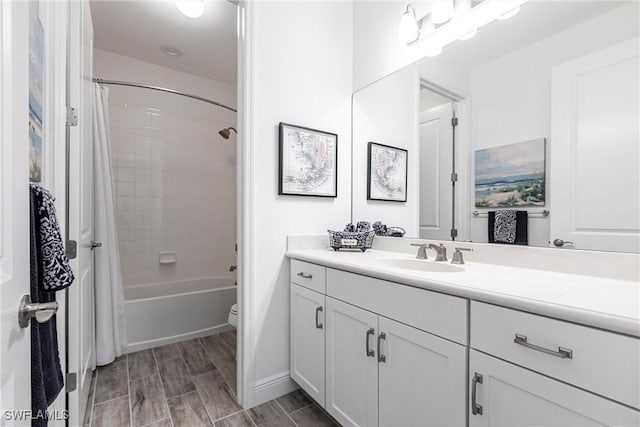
[
  {"x": 408, "y": 32},
  {"x": 463, "y": 26},
  {"x": 191, "y": 8}
]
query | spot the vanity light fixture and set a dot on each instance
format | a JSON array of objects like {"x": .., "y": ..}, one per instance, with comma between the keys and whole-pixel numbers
[
  {"x": 191, "y": 8},
  {"x": 510, "y": 14},
  {"x": 464, "y": 24},
  {"x": 441, "y": 11},
  {"x": 408, "y": 32}
]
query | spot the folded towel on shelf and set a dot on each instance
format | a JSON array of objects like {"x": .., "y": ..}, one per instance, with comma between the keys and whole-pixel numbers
[
  {"x": 508, "y": 227},
  {"x": 50, "y": 271}
]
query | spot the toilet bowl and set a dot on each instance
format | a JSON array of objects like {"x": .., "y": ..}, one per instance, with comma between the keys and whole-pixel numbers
[{"x": 233, "y": 316}]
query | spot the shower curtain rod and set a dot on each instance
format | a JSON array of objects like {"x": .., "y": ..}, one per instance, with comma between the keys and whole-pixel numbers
[{"x": 162, "y": 89}]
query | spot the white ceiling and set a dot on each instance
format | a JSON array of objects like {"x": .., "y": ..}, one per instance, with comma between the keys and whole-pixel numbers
[{"x": 137, "y": 28}]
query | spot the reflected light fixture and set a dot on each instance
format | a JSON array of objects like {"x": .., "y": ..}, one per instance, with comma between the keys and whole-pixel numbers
[
  {"x": 408, "y": 32},
  {"x": 191, "y": 8},
  {"x": 441, "y": 11},
  {"x": 510, "y": 14}
]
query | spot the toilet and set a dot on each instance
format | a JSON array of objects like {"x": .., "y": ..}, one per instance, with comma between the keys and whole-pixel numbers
[{"x": 233, "y": 315}]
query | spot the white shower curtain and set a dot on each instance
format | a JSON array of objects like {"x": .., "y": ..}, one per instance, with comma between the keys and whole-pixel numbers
[{"x": 111, "y": 337}]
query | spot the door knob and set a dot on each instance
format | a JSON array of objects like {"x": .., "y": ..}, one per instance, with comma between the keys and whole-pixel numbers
[
  {"x": 558, "y": 243},
  {"x": 94, "y": 245},
  {"x": 42, "y": 311}
]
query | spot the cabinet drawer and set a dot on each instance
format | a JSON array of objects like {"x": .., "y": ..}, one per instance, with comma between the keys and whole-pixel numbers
[
  {"x": 602, "y": 362},
  {"x": 309, "y": 275},
  {"x": 433, "y": 312}
]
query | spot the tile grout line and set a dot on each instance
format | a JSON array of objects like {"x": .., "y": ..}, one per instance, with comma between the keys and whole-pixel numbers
[
  {"x": 286, "y": 413},
  {"x": 304, "y": 407},
  {"x": 249, "y": 416},
  {"x": 93, "y": 399},
  {"x": 191, "y": 378}
]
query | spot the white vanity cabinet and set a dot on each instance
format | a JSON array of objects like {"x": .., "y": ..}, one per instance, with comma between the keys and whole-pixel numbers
[
  {"x": 380, "y": 369},
  {"x": 527, "y": 369},
  {"x": 308, "y": 341}
]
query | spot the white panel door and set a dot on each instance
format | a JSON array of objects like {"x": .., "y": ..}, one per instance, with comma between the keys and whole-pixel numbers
[
  {"x": 352, "y": 364},
  {"x": 307, "y": 341},
  {"x": 595, "y": 150},
  {"x": 15, "y": 350},
  {"x": 513, "y": 396},
  {"x": 81, "y": 320},
  {"x": 422, "y": 381},
  {"x": 436, "y": 154}
]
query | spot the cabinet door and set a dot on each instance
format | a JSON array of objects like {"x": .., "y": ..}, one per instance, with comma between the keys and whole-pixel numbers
[
  {"x": 422, "y": 380},
  {"x": 307, "y": 341},
  {"x": 513, "y": 396},
  {"x": 352, "y": 364}
]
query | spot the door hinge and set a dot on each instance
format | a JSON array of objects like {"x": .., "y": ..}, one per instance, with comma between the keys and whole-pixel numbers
[
  {"x": 72, "y": 382},
  {"x": 454, "y": 233},
  {"x": 454, "y": 121},
  {"x": 72, "y": 249},
  {"x": 454, "y": 177},
  {"x": 72, "y": 117}
]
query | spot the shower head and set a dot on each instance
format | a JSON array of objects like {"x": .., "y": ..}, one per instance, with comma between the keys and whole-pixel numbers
[{"x": 226, "y": 132}]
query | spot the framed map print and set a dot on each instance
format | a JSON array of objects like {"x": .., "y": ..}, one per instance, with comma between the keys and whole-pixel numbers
[
  {"x": 386, "y": 173},
  {"x": 308, "y": 162}
]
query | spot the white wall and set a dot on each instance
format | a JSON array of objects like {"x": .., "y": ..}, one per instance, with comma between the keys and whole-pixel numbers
[
  {"x": 377, "y": 51},
  {"x": 511, "y": 95},
  {"x": 299, "y": 72},
  {"x": 174, "y": 176},
  {"x": 386, "y": 112}
]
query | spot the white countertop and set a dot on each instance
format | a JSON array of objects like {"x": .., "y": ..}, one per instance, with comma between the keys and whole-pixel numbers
[{"x": 603, "y": 303}]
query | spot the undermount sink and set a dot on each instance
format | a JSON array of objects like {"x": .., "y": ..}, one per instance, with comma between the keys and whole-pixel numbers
[{"x": 420, "y": 265}]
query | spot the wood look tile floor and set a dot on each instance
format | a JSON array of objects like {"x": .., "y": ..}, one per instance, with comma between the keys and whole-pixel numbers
[{"x": 191, "y": 383}]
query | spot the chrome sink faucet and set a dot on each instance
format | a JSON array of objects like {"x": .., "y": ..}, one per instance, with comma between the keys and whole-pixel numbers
[
  {"x": 422, "y": 250},
  {"x": 441, "y": 251}
]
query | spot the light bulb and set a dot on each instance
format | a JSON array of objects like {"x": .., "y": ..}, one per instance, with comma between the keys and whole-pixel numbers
[
  {"x": 191, "y": 8},
  {"x": 408, "y": 32},
  {"x": 510, "y": 14},
  {"x": 468, "y": 35},
  {"x": 441, "y": 11}
]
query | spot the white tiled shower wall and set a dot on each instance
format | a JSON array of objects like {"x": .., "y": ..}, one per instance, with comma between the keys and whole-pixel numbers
[{"x": 174, "y": 179}]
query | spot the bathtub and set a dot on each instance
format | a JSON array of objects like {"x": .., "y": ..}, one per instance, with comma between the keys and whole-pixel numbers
[{"x": 163, "y": 313}]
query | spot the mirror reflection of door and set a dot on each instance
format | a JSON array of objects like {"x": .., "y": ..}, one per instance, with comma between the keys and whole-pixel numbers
[{"x": 437, "y": 166}]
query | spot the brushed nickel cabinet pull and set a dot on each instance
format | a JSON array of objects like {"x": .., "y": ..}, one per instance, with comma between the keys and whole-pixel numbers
[
  {"x": 318, "y": 324},
  {"x": 563, "y": 353},
  {"x": 305, "y": 275},
  {"x": 475, "y": 408},
  {"x": 369, "y": 352},
  {"x": 381, "y": 357}
]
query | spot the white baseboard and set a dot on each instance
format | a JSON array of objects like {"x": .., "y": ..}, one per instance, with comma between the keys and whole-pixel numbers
[
  {"x": 143, "y": 345},
  {"x": 271, "y": 387}
]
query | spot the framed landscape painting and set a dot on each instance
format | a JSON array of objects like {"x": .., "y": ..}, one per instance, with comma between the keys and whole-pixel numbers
[
  {"x": 511, "y": 175},
  {"x": 386, "y": 173},
  {"x": 308, "y": 162}
]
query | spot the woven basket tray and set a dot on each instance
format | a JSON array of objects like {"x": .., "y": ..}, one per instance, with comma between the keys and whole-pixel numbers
[{"x": 351, "y": 240}]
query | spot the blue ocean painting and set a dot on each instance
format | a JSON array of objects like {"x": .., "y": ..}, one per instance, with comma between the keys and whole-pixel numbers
[{"x": 510, "y": 175}]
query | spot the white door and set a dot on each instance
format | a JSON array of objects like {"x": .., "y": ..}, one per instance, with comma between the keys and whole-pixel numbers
[
  {"x": 81, "y": 320},
  {"x": 595, "y": 150},
  {"x": 352, "y": 364},
  {"x": 436, "y": 154},
  {"x": 15, "y": 352},
  {"x": 513, "y": 396},
  {"x": 422, "y": 381},
  {"x": 307, "y": 341}
]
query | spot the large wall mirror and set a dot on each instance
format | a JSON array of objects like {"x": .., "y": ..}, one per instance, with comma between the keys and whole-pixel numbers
[{"x": 536, "y": 114}]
